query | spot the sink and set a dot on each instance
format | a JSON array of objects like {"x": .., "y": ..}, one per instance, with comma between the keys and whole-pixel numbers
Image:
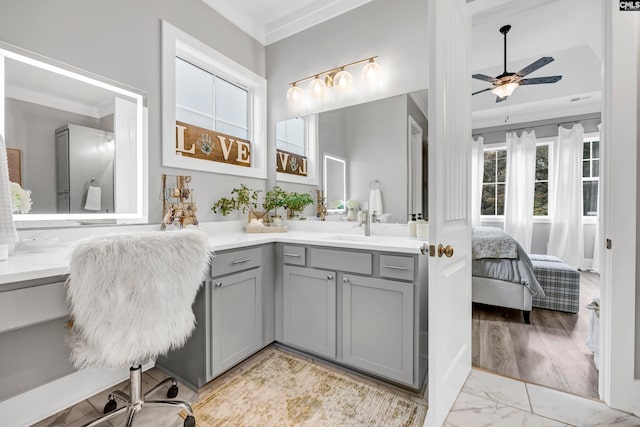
[{"x": 352, "y": 237}]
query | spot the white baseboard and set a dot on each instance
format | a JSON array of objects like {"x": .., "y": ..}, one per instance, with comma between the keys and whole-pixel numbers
[{"x": 39, "y": 403}]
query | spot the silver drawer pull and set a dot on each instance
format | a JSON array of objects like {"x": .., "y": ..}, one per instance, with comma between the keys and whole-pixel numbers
[
  {"x": 394, "y": 267},
  {"x": 292, "y": 255},
  {"x": 218, "y": 284},
  {"x": 240, "y": 261}
]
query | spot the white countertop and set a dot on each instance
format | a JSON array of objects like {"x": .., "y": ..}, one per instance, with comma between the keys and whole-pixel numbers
[{"x": 24, "y": 265}]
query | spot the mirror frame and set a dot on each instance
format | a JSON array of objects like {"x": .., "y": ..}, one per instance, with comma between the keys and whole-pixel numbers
[
  {"x": 326, "y": 156},
  {"x": 141, "y": 213}
]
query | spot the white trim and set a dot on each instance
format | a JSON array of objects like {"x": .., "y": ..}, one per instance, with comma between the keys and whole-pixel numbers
[
  {"x": 414, "y": 135},
  {"x": 242, "y": 20},
  {"x": 421, "y": 106},
  {"x": 178, "y": 43},
  {"x": 311, "y": 137},
  {"x": 306, "y": 17}
]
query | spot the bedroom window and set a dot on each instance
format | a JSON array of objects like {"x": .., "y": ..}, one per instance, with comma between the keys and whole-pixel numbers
[
  {"x": 541, "y": 191},
  {"x": 493, "y": 182},
  {"x": 590, "y": 176}
]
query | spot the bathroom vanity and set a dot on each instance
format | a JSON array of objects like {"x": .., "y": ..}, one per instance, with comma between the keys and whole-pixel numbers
[{"x": 365, "y": 309}]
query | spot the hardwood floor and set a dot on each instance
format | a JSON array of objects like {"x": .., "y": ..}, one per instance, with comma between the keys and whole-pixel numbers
[{"x": 551, "y": 351}]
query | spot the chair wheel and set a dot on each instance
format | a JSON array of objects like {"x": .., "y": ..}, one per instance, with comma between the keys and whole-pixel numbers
[
  {"x": 190, "y": 421},
  {"x": 172, "y": 392},
  {"x": 110, "y": 406}
]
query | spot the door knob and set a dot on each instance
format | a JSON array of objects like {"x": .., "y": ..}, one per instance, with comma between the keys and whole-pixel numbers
[{"x": 445, "y": 250}]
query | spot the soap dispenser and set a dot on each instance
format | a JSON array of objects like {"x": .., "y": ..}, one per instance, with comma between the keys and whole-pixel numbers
[
  {"x": 422, "y": 228},
  {"x": 411, "y": 226}
]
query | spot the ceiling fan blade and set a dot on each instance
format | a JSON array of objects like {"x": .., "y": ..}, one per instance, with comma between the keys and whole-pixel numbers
[
  {"x": 498, "y": 99},
  {"x": 480, "y": 91},
  {"x": 540, "y": 80},
  {"x": 535, "y": 65},
  {"x": 484, "y": 77}
]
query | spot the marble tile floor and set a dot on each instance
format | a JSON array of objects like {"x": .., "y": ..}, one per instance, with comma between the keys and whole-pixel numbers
[
  {"x": 486, "y": 400},
  {"x": 492, "y": 400}
]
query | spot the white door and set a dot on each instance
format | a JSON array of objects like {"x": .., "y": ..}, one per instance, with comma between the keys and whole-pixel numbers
[{"x": 449, "y": 209}]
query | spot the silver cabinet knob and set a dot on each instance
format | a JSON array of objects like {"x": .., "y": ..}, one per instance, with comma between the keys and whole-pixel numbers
[
  {"x": 218, "y": 284},
  {"x": 329, "y": 277},
  {"x": 345, "y": 280}
]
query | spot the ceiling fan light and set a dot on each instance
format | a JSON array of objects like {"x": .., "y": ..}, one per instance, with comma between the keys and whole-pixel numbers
[
  {"x": 343, "y": 80},
  {"x": 505, "y": 90},
  {"x": 295, "y": 94}
]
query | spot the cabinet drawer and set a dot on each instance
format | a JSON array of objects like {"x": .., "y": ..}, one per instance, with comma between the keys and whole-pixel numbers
[
  {"x": 294, "y": 255},
  {"x": 28, "y": 306},
  {"x": 231, "y": 262},
  {"x": 396, "y": 267},
  {"x": 332, "y": 259}
]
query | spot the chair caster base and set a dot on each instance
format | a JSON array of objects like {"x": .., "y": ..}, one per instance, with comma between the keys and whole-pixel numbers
[{"x": 190, "y": 421}]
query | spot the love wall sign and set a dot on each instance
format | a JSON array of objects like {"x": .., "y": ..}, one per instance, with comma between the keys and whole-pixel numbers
[
  {"x": 290, "y": 163},
  {"x": 200, "y": 143}
]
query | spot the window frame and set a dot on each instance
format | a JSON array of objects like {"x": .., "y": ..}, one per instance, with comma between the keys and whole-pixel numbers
[
  {"x": 536, "y": 218},
  {"x": 592, "y": 136},
  {"x": 311, "y": 152},
  {"x": 176, "y": 43},
  {"x": 550, "y": 144},
  {"x": 494, "y": 147}
]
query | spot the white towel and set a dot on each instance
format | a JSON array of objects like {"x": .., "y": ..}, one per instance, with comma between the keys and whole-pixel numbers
[
  {"x": 8, "y": 233},
  {"x": 375, "y": 202},
  {"x": 94, "y": 194}
]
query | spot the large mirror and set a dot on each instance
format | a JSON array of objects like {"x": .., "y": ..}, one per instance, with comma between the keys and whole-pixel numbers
[
  {"x": 383, "y": 145},
  {"x": 75, "y": 142}
]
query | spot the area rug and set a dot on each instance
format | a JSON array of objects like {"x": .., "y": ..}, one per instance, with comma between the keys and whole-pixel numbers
[{"x": 287, "y": 390}]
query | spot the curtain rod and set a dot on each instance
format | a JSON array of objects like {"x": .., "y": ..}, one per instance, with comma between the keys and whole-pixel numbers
[{"x": 517, "y": 128}]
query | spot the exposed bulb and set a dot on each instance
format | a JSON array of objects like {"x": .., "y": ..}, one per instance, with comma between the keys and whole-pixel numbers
[
  {"x": 371, "y": 72},
  {"x": 317, "y": 87},
  {"x": 343, "y": 81},
  {"x": 295, "y": 94}
]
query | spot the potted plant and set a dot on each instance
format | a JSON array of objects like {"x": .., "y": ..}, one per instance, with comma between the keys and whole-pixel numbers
[
  {"x": 296, "y": 202},
  {"x": 274, "y": 199},
  {"x": 244, "y": 199}
]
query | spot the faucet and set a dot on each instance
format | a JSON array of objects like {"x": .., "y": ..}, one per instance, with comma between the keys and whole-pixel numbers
[{"x": 365, "y": 221}]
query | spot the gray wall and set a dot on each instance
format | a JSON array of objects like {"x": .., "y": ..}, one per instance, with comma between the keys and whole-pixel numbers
[
  {"x": 377, "y": 149},
  {"x": 32, "y": 129},
  {"x": 120, "y": 40},
  {"x": 397, "y": 34}
]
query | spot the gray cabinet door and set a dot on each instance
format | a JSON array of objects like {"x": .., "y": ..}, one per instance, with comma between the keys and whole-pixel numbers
[
  {"x": 236, "y": 319},
  {"x": 309, "y": 318},
  {"x": 377, "y": 321}
]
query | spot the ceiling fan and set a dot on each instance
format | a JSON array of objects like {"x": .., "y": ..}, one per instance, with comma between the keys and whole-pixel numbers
[{"x": 504, "y": 84}]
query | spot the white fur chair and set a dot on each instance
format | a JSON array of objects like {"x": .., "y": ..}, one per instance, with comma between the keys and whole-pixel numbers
[{"x": 130, "y": 297}]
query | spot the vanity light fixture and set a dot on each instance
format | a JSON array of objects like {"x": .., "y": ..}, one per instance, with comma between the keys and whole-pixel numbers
[{"x": 337, "y": 77}]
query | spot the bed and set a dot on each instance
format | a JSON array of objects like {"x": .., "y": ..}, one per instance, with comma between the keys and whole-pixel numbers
[{"x": 502, "y": 273}]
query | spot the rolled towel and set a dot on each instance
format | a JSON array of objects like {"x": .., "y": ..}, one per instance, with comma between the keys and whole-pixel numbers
[
  {"x": 94, "y": 194},
  {"x": 375, "y": 202}
]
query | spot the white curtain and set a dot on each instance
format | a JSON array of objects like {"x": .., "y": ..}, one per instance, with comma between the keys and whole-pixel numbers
[
  {"x": 566, "y": 235},
  {"x": 521, "y": 171},
  {"x": 477, "y": 173}
]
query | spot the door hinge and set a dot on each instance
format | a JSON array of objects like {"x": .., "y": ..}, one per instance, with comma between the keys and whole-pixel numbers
[
  {"x": 432, "y": 250},
  {"x": 608, "y": 244}
]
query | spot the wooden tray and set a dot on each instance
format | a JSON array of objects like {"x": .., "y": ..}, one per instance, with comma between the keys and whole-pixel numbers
[{"x": 266, "y": 229}]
